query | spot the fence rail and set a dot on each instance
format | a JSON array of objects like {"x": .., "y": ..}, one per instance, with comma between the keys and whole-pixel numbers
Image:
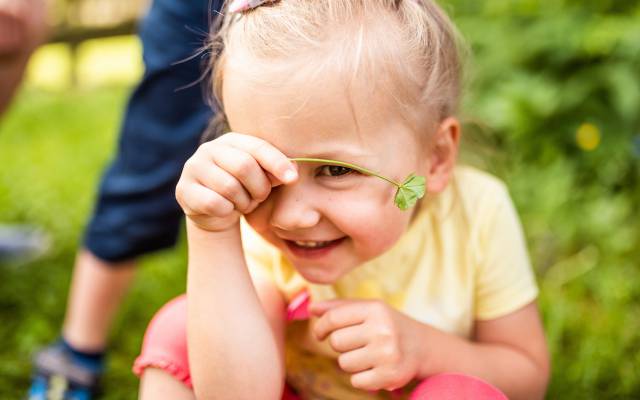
[
  {"x": 75, "y": 21},
  {"x": 76, "y": 35}
]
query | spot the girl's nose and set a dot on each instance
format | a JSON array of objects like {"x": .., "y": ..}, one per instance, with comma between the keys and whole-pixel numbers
[{"x": 293, "y": 209}]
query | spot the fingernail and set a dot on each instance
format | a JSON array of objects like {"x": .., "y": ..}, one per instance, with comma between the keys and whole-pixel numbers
[{"x": 290, "y": 175}]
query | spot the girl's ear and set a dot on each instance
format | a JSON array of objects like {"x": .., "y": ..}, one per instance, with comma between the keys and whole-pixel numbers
[{"x": 443, "y": 155}]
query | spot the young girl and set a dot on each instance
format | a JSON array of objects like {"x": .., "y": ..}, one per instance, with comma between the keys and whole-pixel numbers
[{"x": 331, "y": 291}]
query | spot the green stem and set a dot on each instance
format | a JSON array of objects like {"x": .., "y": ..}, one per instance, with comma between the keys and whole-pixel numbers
[{"x": 348, "y": 165}]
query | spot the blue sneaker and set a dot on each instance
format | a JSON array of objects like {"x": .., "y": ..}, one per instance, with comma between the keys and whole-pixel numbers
[
  {"x": 22, "y": 243},
  {"x": 58, "y": 375}
]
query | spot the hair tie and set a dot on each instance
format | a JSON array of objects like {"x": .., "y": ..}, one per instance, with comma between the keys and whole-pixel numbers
[{"x": 244, "y": 5}]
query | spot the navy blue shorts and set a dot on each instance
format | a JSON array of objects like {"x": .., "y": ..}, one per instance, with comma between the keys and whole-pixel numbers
[{"x": 136, "y": 211}]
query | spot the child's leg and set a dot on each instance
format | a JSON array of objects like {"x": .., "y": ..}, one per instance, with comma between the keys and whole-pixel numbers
[
  {"x": 455, "y": 387},
  {"x": 163, "y": 363},
  {"x": 164, "y": 347},
  {"x": 158, "y": 384}
]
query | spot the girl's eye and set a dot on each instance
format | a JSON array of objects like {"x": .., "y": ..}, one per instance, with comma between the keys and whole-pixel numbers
[{"x": 334, "y": 170}]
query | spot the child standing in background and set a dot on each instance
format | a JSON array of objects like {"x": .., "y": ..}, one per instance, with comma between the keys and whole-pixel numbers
[{"x": 394, "y": 297}]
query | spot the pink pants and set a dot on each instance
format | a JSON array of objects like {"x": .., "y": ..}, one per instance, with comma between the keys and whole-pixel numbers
[{"x": 165, "y": 347}]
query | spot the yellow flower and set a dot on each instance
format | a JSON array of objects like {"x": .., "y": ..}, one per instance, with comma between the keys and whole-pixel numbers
[{"x": 588, "y": 137}]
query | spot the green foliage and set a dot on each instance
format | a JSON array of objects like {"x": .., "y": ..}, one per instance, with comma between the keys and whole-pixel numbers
[{"x": 554, "y": 109}]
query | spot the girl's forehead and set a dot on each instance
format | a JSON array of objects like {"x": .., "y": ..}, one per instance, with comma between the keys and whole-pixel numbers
[{"x": 312, "y": 114}]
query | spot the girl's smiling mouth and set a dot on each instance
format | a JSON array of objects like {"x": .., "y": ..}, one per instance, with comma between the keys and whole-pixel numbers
[{"x": 312, "y": 249}]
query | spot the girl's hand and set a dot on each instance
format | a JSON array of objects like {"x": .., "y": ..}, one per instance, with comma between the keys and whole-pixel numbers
[
  {"x": 228, "y": 177},
  {"x": 381, "y": 347}
]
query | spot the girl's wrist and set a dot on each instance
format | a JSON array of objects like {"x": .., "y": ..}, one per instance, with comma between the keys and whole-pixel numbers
[
  {"x": 217, "y": 249},
  {"x": 430, "y": 354},
  {"x": 197, "y": 235}
]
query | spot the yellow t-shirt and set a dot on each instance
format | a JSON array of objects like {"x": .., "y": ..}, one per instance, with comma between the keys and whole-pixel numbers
[{"x": 462, "y": 259}]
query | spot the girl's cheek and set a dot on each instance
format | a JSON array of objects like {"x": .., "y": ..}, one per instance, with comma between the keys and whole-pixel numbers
[{"x": 376, "y": 227}]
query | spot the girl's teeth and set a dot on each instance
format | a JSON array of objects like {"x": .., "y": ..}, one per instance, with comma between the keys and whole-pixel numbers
[{"x": 310, "y": 244}]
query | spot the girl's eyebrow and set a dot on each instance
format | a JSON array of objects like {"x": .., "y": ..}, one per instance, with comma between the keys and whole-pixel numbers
[{"x": 341, "y": 154}]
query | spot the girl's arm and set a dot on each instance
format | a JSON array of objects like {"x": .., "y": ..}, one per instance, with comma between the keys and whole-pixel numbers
[
  {"x": 233, "y": 351},
  {"x": 510, "y": 352},
  {"x": 235, "y": 342}
]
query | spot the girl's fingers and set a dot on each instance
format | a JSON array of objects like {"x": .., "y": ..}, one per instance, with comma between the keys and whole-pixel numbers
[
  {"x": 223, "y": 183},
  {"x": 245, "y": 169},
  {"x": 348, "y": 339},
  {"x": 196, "y": 199},
  {"x": 234, "y": 172},
  {"x": 346, "y": 314},
  {"x": 367, "y": 380},
  {"x": 273, "y": 180},
  {"x": 270, "y": 158},
  {"x": 356, "y": 361}
]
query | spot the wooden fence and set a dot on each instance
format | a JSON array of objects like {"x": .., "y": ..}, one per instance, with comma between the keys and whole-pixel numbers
[{"x": 75, "y": 21}]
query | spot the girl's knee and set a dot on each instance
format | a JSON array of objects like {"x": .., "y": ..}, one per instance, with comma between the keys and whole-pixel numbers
[
  {"x": 168, "y": 327},
  {"x": 165, "y": 342},
  {"x": 452, "y": 386}
]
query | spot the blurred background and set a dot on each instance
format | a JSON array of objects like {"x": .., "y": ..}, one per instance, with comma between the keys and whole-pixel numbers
[{"x": 553, "y": 108}]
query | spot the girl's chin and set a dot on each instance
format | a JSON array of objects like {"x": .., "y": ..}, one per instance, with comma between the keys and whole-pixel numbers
[{"x": 320, "y": 275}]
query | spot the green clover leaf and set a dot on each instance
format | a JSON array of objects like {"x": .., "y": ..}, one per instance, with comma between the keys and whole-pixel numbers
[{"x": 408, "y": 193}]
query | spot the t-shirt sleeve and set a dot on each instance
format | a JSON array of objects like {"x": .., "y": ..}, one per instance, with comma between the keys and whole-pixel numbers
[
  {"x": 504, "y": 278},
  {"x": 258, "y": 253}
]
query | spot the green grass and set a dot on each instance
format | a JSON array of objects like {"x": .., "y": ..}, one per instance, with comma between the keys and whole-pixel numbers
[{"x": 53, "y": 147}]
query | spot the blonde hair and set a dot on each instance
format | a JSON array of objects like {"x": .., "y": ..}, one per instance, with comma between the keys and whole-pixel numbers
[{"x": 409, "y": 48}]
